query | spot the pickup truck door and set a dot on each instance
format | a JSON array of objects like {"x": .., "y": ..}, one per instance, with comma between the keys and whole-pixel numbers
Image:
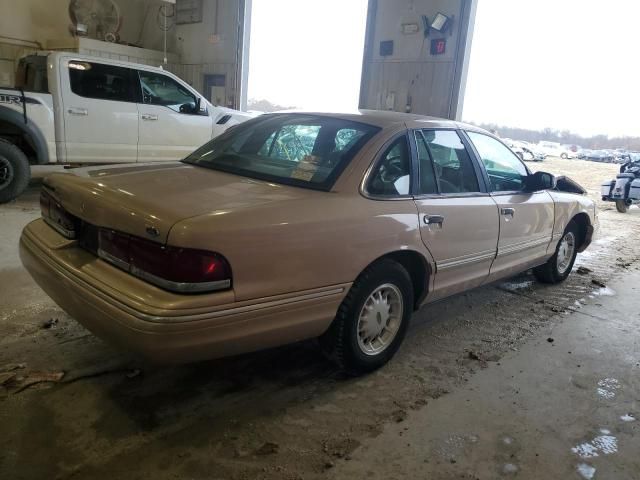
[
  {"x": 526, "y": 218},
  {"x": 458, "y": 218},
  {"x": 171, "y": 125},
  {"x": 100, "y": 112}
]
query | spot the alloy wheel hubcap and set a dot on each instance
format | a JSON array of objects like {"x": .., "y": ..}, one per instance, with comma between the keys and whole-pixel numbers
[
  {"x": 565, "y": 252},
  {"x": 6, "y": 172},
  {"x": 380, "y": 319}
]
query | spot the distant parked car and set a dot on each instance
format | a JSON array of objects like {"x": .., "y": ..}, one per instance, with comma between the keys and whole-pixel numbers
[
  {"x": 524, "y": 150},
  {"x": 554, "y": 149}
]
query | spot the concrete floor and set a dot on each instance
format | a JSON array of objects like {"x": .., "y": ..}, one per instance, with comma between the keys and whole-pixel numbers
[
  {"x": 476, "y": 383},
  {"x": 566, "y": 405}
]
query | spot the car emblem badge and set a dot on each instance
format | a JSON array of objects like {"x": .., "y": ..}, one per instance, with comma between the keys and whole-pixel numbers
[{"x": 152, "y": 231}]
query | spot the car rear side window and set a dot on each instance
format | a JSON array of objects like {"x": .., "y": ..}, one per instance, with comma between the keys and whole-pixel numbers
[
  {"x": 505, "y": 170},
  {"x": 103, "y": 82},
  {"x": 445, "y": 164},
  {"x": 391, "y": 177}
]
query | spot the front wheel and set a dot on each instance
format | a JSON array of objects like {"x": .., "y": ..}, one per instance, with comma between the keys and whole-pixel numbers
[
  {"x": 558, "y": 267},
  {"x": 14, "y": 171},
  {"x": 372, "y": 320},
  {"x": 621, "y": 206}
]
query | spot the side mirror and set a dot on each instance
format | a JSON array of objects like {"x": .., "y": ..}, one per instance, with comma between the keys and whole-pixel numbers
[
  {"x": 188, "y": 108},
  {"x": 540, "y": 181}
]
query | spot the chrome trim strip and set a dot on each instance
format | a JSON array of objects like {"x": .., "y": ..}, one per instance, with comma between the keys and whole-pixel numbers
[
  {"x": 70, "y": 234},
  {"x": 460, "y": 261},
  {"x": 446, "y": 196},
  {"x": 522, "y": 246},
  {"x": 180, "y": 287},
  {"x": 117, "y": 262}
]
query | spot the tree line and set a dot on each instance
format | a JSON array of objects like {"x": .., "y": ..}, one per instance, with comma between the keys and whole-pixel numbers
[{"x": 564, "y": 137}]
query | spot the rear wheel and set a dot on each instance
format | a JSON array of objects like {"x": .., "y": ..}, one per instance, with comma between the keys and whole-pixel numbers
[
  {"x": 621, "y": 206},
  {"x": 564, "y": 156},
  {"x": 372, "y": 320},
  {"x": 14, "y": 171},
  {"x": 558, "y": 267}
]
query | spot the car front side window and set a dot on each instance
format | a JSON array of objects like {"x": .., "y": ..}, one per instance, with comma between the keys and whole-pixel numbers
[
  {"x": 391, "y": 177},
  {"x": 158, "y": 89},
  {"x": 505, "y": 170}
]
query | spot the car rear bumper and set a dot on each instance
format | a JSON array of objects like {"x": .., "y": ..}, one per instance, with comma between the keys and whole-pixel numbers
[{"x": 164, "y": 327}]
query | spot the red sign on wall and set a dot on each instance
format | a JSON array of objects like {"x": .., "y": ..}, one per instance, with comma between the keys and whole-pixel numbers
[{"x": 438, "y": 46}]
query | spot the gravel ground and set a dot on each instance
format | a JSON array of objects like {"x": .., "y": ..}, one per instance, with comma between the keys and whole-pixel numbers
[{"x": 283, "y": 413}]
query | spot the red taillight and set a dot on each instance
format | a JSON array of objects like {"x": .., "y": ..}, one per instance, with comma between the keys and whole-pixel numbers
[
  {"x": 177, "y": 269},
  {"x": 53, "y": 213}
]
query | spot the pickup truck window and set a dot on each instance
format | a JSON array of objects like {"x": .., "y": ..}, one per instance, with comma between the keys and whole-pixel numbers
[
  {"x": 103, "y": 82},
  {"x": 158, "y": 89}
]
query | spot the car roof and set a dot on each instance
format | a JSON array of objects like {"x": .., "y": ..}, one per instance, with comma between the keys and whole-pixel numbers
[{"x": 383, "y": 119}]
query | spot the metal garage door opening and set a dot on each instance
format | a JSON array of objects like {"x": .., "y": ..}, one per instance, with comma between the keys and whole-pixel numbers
[{"x": 306, "y": 54}]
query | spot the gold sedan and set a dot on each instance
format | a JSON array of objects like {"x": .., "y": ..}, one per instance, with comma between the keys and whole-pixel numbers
[{"x": 299, "y": 225}]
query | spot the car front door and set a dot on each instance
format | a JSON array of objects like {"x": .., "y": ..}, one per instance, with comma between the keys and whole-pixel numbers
[
  {"x": 526, "y": 218},
  {"x": 100, "y": 113},
  {"x": 171, "y": 124},
  {"x": 459, "y": 220}
]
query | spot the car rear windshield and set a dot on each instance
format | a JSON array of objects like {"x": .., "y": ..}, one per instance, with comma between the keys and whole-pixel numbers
[{"x": 295, "y": 149}]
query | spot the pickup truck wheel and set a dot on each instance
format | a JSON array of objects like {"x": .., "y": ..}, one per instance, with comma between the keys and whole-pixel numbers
[
  {"x": 372, "y": 320},
  {"x": 14, "y": 171},
  {"x": 558, "y": 267},
  {"x": 621, "y": 206}
]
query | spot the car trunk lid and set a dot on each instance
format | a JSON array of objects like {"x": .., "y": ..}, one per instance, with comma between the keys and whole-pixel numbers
[{"x": 147, "y": 200}]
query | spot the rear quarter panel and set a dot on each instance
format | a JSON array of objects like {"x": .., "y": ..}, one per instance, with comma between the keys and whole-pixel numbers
[{"x": 323, "y": 240}]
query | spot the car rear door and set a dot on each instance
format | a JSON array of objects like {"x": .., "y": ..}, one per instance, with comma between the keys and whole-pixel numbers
[
  {"x": 458, "y": 218},
  {"x": 99, "y": 110},
  {"x": 526, "y": 218},
  {"x": 171, "y": 125}
]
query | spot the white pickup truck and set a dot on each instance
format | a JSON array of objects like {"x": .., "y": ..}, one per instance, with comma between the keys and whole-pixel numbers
[{"x": 75, "y": 109}]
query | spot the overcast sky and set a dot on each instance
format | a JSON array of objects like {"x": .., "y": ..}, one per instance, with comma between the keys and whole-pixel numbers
[
  {"x": 307, "y": 54},
  {"x": 569, "y": 64}
]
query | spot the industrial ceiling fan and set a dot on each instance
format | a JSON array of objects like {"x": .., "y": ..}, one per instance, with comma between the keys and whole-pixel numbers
[{"x": 99, "y": 19}]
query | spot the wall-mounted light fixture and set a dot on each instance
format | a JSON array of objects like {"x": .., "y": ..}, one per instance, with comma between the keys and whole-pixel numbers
[{"x": 440, "y": 23}]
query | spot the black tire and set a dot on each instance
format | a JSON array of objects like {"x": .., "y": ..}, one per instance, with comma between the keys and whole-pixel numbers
[
  {"x": 340, "y": 343},
  {"x": 564, "y": 156},
  {"x": 621, "y": 206},
  {"x": 14, "y": 171},
  {"x": 550, "y": 271}
]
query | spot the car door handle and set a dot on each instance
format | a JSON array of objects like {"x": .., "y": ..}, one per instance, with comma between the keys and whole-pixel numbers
[
  {"x": 149, "y": 117},
  {"x": 78, "y": 111},
  {"x": 508, "y": 212},
  {"x": 433, "y": 220}
]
